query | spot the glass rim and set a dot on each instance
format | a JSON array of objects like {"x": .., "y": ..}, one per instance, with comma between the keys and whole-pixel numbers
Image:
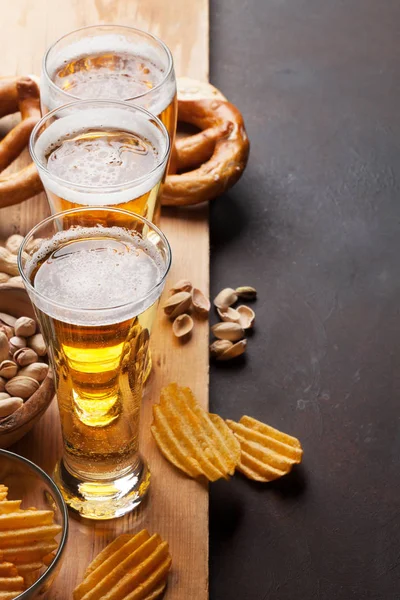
[
  {"x": 92, "y": 209},
  {"x": 100, "y": 188},
  {"x": 63, "y": 509},
  {"x": 110, "y": 25}
]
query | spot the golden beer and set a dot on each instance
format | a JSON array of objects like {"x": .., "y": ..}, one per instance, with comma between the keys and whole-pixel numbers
[
  {"x": 101, "y": 153},
  {"x": 114, "y": 63},
  {"x": 95, "y": 290}
]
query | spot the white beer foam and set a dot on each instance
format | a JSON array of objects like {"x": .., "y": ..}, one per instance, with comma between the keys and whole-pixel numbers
[
  {"x": 155, "y": 100},
  {"x": 86, "y": 118},
  {"x": 96, "y": 288}
]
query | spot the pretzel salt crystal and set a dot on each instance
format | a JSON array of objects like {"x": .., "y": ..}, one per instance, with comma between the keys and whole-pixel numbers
[
  {"x": 223, "y": 136},
  {"x": 16, "y": 187}
]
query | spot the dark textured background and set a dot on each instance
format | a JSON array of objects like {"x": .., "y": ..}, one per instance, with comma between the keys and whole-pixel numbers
[{"x": 314, "y": 225}]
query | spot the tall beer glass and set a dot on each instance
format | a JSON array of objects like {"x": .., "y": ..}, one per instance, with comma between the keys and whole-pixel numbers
[
  {"x": 94, "y": 276},
  {"x": 111, "y": 62},
  {"x": 101, "y": 153}
]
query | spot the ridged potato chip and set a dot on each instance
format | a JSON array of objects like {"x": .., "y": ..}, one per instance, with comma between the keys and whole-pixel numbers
[
  {"x": 266, "y": 453},
  {"x": 195, "y": 441},
  {"x": 132, "y": 567}
]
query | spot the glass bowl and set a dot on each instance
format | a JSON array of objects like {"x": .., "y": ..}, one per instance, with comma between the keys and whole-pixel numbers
[{"x": 28, "y": 482}]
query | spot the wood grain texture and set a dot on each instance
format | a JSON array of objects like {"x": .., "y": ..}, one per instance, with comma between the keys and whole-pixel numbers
[{"x": 177, "y": 507}]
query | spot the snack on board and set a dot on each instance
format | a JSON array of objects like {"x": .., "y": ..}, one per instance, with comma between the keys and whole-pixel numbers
[
  {"x": 132, "y": 567},
  {"x": 195, "y": 441},
  {"x": 218, "y": 154},
  {"x": 266, "y": 453},
  {"x": 27, "y": 543},
  {"x": 18, "y": 94}
]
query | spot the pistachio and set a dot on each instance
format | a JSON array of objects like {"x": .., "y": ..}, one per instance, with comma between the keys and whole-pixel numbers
[
  {"x": 25, "y": 327},
  {"x": 228, "y": 331},
  {"x": 36, "y": 370},
  {"x": 182, "y": 325},
  {"x": 17, "y": 280},
  {"x": 177, "y": 304},
  {"x": 8, "y": 262},
  {"x": 225, "y": 298},
  {"x": 33, "y": 245},
  {"x": 9, "y": 406},
  {"x": 36, "y": 342},
  {"x": 8, "y": 369},
  {"x": 219, "y": 347},
  {"x": 234, "y": 351},
  {"x": 3, "y": 346},
  {"x": 228, "y": 314},
  {"x": 25, "y": 356},
  {"x": 9, "y": 331},
  {"x": 4, "y": 277},
  {"x": 201, "y": 303},
  {"x": 22, "y": 386},
  {"x": 13, "y": 243},
  {"x": 3, "y": 382},
  {"x": 4, "y": 396},
  {"x": 246, "y": 292},
  {"x": 247, "y": 316},
  {"x": 7, "y": 319},
  {"x": 16, "y": 342},
  {"x": 183, "y": 285}
]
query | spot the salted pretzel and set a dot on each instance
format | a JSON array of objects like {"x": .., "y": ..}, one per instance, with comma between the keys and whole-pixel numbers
[
  {"x": 217, "y": 154},
  {"x": 18, "y": 94},
  {"x": 220, "y": 151}
]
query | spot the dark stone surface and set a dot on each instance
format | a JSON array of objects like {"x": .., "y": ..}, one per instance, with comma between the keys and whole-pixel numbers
[{"x": 314, "y": 225}]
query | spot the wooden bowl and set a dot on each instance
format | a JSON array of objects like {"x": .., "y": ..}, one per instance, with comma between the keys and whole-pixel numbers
[{"x": 14, "y": 301}]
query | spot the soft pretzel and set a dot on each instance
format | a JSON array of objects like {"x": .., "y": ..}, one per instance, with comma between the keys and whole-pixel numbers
[
  {"x": 221, "y": 148},
  {"x": 21, "y": 94}
]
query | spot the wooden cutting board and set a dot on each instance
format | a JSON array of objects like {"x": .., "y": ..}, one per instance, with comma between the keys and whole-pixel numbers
[{"x": 177, "y": 507}]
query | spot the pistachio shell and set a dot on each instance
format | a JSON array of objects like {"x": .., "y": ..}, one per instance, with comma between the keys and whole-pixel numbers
[
  {"x": 225, "y": 298},
  {"x": 4, "y": 277},
  {"x": 228, "y": 331},
  {"x": 234, "y": 351},
  {"x": 7, "y": 319},
  {"x": 183, "y": 285},
  {"x": 22, "y": 386},
  {"x": 13, "y": 243},
  {"x": 25, "y": 356},
  {"x": 247, "y": 316},
  {"x": 219, "y": 347},
  {"x": 201, "y": 303},
  {"x": 9, "y": 406},
  {"x": 3, "y": 346},
  {"x": 25, "y": 327},
  {"x": 229, "y": 315},
  {"x": 36, "y": 370},
  {"x": 16, "y": 342},
  {"x": 182, "y": 325},
  {"x": 246, "y": 292},
  {"x": 8, "y": 369},
  {"x": 177, "y": 304},
  {"x": 36, "y": 342},
  {"x": 3, "y": 382}
]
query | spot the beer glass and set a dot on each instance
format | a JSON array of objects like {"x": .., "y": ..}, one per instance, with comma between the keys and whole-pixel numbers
[
  {"x": 111, "y": 62},
  {"x": 99, "y": 152},
  {"x": 95, "y": 276}
]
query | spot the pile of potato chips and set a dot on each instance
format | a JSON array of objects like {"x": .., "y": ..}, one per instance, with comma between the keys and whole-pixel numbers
[
  {"x": 27, "y": 544},
  {"x": 201, "y": 443},
  {"x": 132, "y": 567}
]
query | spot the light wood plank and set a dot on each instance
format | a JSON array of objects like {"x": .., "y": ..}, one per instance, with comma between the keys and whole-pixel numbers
[{"x": 177, "y": 507}]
